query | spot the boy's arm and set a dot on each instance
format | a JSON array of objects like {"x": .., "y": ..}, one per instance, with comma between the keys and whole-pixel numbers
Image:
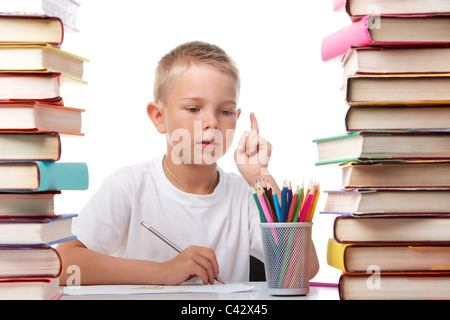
[
  {"x": 252, "y": 157},
  {"x": 97, "y": 268}
]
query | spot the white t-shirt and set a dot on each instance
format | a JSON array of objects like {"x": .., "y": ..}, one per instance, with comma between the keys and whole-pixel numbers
[{"x": 226, "y": 221}]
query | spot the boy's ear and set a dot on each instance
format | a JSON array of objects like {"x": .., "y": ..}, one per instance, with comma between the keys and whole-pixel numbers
[{"x": 156, "y": 113}]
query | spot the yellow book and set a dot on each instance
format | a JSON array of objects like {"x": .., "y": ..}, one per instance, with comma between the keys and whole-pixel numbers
[
  {"x": 41, "y": 58},
  {"x": 388, "y": 257},
  {"x": 335, "y": 254}
]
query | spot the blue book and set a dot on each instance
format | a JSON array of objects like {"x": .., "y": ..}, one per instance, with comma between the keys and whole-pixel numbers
[
  {"x": 37, "y": 176},
  {"x": 35, "y": 232}
]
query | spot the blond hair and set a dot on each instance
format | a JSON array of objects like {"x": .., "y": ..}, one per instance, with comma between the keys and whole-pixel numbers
[{"x": 173, "y": 64}]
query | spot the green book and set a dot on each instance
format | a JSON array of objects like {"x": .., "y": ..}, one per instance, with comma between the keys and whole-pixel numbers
[{"x": 382, "y": 145}]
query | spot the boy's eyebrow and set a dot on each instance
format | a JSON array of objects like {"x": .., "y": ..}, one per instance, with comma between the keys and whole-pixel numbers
[
  {"x": 198, "y": 99},
  {"x": 191, "y": 99}
]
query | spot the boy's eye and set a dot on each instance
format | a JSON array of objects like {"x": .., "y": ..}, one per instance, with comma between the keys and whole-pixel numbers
[
  {"x": 192, "y": 109},
  {"x": 226, "y": 112}
]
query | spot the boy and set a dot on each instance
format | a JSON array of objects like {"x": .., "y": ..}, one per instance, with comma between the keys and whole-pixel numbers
[{"x": 183, "y": 194}]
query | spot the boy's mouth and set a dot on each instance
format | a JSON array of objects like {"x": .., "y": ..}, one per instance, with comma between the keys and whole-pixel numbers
[{"x": 209, "y": 143}]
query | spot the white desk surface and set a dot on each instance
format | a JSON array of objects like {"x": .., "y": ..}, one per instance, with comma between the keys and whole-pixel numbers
[{"x": 259, "y": 292}]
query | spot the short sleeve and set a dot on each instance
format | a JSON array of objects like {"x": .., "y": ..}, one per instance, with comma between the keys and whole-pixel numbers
[{"x": 103, "y": 223}]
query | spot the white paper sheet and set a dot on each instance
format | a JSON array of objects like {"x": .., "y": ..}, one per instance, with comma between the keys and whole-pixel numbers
[{"x": 150, "y": 289}]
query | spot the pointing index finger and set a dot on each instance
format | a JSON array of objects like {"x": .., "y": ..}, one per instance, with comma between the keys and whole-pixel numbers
[{"x": 254, "y": 123}]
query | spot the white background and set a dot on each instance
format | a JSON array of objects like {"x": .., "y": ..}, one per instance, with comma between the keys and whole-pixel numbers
[{"x": 276, "y": 44}]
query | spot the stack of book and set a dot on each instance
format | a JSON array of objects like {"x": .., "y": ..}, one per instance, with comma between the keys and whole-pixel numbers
[
  {"x": 32, "y": 119},
  {"x": 391, "y": 236}
]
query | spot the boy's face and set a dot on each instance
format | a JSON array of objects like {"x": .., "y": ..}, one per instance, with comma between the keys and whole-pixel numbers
[{"x": 200, "y": 115}]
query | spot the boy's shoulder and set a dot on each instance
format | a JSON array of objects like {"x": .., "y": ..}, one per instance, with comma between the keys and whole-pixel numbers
[
  {"x": 136, "y": 167},
  {"x": 139, "y": 170},
  {"x": 235, "y": 181},
  {"x": 233, "y": 177}
]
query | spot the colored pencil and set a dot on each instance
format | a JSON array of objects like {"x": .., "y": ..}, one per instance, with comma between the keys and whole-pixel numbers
[
  {"x": 264, "y": 207},
  {"x": 316, "y": 199},
  {"x": 312, "y": 196},
  {"x": 291, "y": 214},
  {"x": 272, "y": 204},
  {"x": 288, "y": 202},
  {"x": 305, "y": 208},
  {"x": 261, "y": 213},
  {"x": 299, "y": 204},
  {"x": 277, "y": 205},
  {"x": 283, "y": 199}
]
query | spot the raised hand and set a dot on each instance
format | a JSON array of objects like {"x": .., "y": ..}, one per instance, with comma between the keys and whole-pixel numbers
[{"x": 253, "y": 153}]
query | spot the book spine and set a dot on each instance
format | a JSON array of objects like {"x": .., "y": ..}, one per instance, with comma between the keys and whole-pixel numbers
[
  {"x": 337, "y": 44},
  {"x": 336, "y": 254},
  {"x": 62, "y": 176}
]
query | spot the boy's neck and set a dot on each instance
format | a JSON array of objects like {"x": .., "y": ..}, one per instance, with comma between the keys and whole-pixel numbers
[{"x": 191, "y": 178}]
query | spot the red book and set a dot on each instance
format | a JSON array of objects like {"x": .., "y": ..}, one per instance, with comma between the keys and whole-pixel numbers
[
  {"x": 29, "y": 289},
  {"x": 359, "y": 8},
  {"x": 31, "y": 29},
  {"x": 395, "y": 286}
]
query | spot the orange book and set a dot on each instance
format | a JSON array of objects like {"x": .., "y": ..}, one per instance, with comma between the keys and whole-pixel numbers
[
  {"x": 35, "y": 116},
  {"x": 29, "y": 86}
]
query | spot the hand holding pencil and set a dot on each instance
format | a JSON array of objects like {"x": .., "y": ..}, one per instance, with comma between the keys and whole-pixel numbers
[{"x": 191, "y": 262}]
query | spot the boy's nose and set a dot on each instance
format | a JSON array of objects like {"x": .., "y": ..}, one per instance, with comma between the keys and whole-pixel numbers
[{"x": 210, "y": 122}]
